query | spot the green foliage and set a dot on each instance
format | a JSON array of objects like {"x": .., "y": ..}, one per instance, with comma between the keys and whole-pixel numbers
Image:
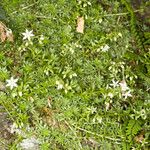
[
  {"x": 141, "y": 42},
  {"x": 2, "y": 14},
  {"x": 134, "y": 25},
  {"x": 76, "y": 91},
  {"x": 133, "y": 127}
]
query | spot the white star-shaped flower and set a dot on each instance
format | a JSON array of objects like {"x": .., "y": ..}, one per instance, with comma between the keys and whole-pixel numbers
[
  {"x": 59, "y": 85},
  {"x": 114, "y": 83},
  {"x": 12, "y": 83},
  {"x": 105, "y": 48},
  {"x": 123, "y": 86},
  {"x": 27, "y": 35},
  {"x": 127, "y": 94},
  {"x": 93, "y": 110}
]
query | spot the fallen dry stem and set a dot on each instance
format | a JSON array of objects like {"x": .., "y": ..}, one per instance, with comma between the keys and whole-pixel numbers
[
  {"x": 26, "y": 7},
  {"x": 73, "y": 132},
  {"x": 102, "y": 136},
  {"x": 122, "y": 14},
  {"x": 107, "y": 15}
]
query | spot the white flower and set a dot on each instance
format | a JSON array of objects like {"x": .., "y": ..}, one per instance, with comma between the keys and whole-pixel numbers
[
  {"x": 20, "y": 93},
  {"x": 114, "y": 83},
  {"x": 67, "y": 88},
  {"x": 12, "y": 83},
  {"x": 143, "y": 114},
  {"x": 41, "y": 38},
  {"x": 119, "y": 34},
  {"x": 127, "y": 94},
  {"x": 14, "y": 95},
  {"x": 99, "y": 119},
  {"x": 123, "y": 86},
  {"x": 100, "y": 20},
  {"x": 93, "y": 110},
  {"x": 71, "y": 50},
  {"x": 107, "y": 105},
  {"x": 110, "y": 95},
  {"x": 73, "y": 75},
  {"x": 27, "y": 35},
  {"x": 105, "y": 48},
  {"x": 59, "y": 85},
  {"x": 30, "y": 144}
]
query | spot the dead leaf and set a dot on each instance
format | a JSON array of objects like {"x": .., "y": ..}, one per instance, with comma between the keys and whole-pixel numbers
[
  {"x": 5, "y": 33},
  {"x": 2, "y": 86},
  {"x": 139, "y": 138},
  {"x": 80, "y": 25},
  {"x": 2, "y": 32},
  {"x": 90, "y": 142},
  {"x": 49, "y": 101},
  {"x": 48, "y": 117},
  {"x": 9, "y": 35},
  {"x": 3, "y": 36}
]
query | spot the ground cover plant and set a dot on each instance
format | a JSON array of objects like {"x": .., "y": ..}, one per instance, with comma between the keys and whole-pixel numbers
[{"x": 74, "y": 74}]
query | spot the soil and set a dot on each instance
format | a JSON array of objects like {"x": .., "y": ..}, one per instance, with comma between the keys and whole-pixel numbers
[{"x": 6, "y": 137}]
